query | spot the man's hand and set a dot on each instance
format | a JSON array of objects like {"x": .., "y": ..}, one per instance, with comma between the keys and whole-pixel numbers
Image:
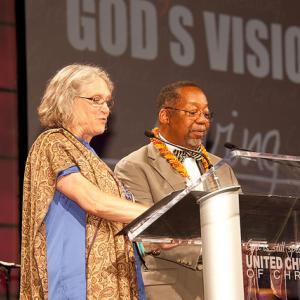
[{"x": 154, "y": 249}]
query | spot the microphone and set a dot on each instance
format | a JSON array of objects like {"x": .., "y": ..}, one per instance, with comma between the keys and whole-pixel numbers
[
  {"x": 232, "y": 147},
  {"x": 151, "y": 135}
]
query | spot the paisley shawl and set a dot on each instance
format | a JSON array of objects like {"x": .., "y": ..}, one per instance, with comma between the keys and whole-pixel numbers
[{"x": 109, "y": 258}]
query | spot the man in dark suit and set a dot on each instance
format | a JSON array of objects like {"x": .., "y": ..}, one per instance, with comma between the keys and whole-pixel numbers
[{"x": 158, "y": 169}]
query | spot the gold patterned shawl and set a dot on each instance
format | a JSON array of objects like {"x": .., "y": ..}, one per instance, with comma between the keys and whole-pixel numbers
[{"x": 109, "y": 258}]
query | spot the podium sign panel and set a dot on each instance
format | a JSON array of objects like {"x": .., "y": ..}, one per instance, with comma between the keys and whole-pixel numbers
[
  {"x": 270, "y": 225},
  {"x": 249, "y": 229}
]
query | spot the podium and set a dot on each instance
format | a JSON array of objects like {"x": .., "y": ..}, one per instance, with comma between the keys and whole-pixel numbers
[{"x": 249, "y": 229}]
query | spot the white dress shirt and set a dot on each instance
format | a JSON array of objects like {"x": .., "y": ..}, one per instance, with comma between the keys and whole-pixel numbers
[{"x": 189, "y": 163}]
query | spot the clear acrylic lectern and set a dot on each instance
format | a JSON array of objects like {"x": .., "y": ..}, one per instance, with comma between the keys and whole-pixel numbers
[{"x": 249, "y": 228}]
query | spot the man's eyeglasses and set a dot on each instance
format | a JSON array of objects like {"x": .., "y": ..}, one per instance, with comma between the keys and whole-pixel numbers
[
  {"x": 194, "y": 114},
  {"x": 98, "y": 101}
]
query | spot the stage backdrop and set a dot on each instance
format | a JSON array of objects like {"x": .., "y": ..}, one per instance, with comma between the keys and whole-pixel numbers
[{"x": 244, "y": 54}]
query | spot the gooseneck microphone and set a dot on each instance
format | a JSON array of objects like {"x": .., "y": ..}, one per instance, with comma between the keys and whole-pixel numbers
[
  {"x": 234, "y": 147},
  {"x": 230, "y": 146},
  {"x": 151, "y": 135}
]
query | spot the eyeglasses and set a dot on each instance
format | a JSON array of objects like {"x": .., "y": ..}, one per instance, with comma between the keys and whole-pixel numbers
[
  {"x": 194, "y": 114},
  {"x": 98, "y": 101}
]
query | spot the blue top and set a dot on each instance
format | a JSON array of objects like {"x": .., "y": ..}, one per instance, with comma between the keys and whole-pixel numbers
[
  {"x": 65, "y": 232},
  {"x": 65, "y": 237}
]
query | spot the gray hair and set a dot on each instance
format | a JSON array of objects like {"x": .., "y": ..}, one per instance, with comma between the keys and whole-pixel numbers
[{"x": 55, "y": 109}]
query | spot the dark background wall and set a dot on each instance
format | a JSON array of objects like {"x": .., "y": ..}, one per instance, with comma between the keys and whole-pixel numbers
[{"x": 245, "y": 54}]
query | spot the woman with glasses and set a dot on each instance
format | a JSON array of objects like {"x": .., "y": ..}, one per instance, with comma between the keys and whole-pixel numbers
[{"x": 73, "y": 205}]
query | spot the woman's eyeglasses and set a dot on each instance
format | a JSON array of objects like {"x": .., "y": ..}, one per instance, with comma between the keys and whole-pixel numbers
[{"x": 98, "y": 101}]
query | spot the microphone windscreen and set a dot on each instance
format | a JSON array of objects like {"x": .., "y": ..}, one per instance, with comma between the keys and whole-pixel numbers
[
  {"x": 230, "y": 146},
  {"x": 149, "y": 134}
]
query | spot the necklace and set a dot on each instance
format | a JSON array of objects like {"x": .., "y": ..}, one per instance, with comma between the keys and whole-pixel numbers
[{"x": 172, "y": 159}]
